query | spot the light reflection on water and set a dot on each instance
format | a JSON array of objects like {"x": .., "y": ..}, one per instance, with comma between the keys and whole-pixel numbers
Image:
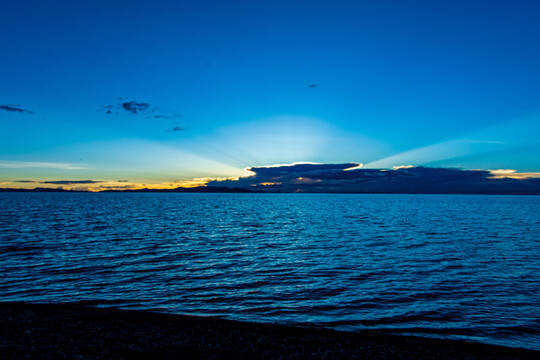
[{"x": 451, "y": 266}]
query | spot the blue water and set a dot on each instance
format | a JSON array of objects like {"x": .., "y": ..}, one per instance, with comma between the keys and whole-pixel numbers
[{"x": 462, "y": 267}]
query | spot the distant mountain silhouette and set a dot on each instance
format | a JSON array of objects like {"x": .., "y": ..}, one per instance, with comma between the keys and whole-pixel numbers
[
  {"x": 39, "y": 189},
  {"x": 349, "y": 178},
  {"x": 199, "y": 189}
]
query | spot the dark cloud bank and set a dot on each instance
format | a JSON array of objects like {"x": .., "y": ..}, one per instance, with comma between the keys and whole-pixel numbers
[
  {"x": 341, "y": 178},
  {"x": 335, "y": 178}
]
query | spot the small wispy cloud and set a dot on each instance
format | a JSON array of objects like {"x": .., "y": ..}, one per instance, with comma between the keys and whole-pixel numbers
[
  {"x": 134, "y": 107},
  {"x": 472, "y": 141},
  {"x": 177, "y": 128},
  {"x": 167, "y": 117},
  {"x": 15, "y": 108},
  {"x": 131, "y": 107},
  {"x": 30, "y": 164}
]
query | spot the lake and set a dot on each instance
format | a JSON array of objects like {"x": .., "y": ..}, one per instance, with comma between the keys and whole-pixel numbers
[{"x": 452, "y": 266}]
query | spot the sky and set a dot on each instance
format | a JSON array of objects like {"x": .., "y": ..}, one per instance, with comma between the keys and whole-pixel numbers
[{"x": 120, "y": 94}]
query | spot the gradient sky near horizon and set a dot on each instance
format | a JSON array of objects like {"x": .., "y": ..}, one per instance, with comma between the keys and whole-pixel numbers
[{"x": 213, "y": 87}]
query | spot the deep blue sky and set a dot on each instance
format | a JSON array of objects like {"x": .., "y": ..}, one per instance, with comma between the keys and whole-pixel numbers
[{"x": 433, "y": 83}]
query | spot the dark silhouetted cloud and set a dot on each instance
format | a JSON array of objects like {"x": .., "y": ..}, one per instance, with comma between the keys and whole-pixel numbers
[
  {"x": 123, "y": 180},
  {"x": 135, "y": 107},
  {"x": 348, "y": 178},
  {"x": 130, "y": 107},
  {"x": 61, "y": 182},
  {"x": 71, "y": 182},
  {"x": 15, "y": 108}
]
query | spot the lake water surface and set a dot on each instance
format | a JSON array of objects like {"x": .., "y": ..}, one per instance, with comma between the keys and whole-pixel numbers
[{"x": 465, "y": 267}]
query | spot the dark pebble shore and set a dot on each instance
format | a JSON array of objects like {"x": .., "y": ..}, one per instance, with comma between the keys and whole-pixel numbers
[{"x": 74, "y": 331}]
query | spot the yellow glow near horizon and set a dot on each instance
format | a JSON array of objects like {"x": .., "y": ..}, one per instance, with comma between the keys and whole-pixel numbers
[
  {"x": 358, "y": 166},
  {"x": 512, "y": 174},
  {"x": 267, "y": 183},
  {"x": 203, "y": 181}
]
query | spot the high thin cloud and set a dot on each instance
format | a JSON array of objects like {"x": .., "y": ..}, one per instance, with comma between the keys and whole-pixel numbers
[
  {"x": 61, "y": 182},
  {"x": 71, "y": 182},
  {"x": 350, "y": 178},
  {"x": 30, "y": 164},
  {"x": 15, "y": 108}
]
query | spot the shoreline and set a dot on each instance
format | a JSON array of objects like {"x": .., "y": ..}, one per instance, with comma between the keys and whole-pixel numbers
[
  {"x": 247, "y": 191},
  {"x": 70, "y": 330}
]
